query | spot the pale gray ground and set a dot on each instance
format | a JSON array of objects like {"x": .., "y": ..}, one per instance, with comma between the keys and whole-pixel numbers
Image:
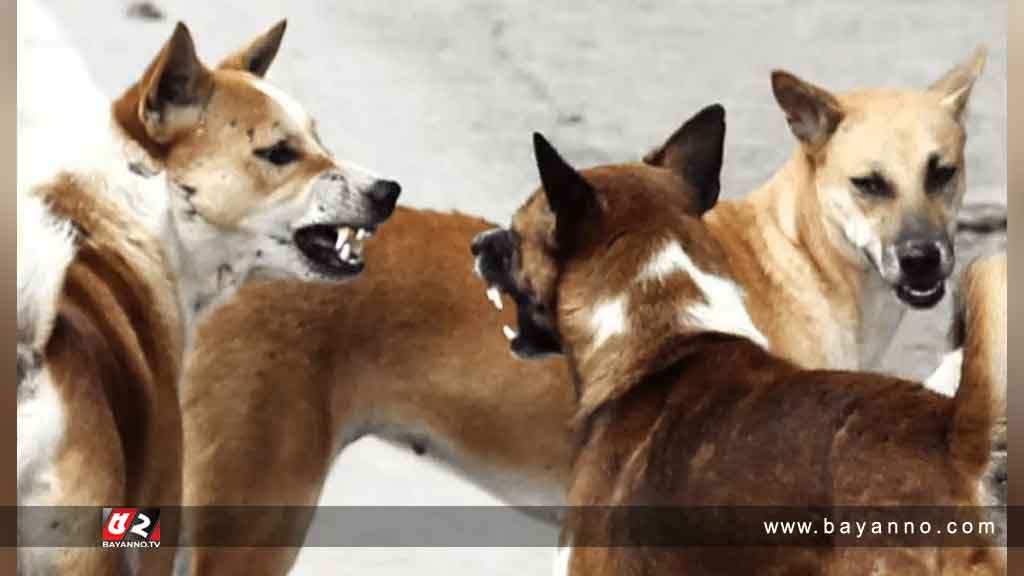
[{"x": 443, "y": 96}]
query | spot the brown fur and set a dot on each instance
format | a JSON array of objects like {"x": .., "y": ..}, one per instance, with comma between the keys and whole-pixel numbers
[
  {"x": 115, "y": 351},
  {"x": 389, "y": 354},
  {"x": 772, "y": 251},
  {"x": 668, "y": 424},
  {"x": 114, "y": 357}
]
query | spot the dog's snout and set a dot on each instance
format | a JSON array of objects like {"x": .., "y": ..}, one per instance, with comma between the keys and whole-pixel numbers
[
  {"x": 921, "y": 260},
  {"x": 487, "y": 242},
  {"x": 384, "y": 195},
  {"x": 477, "y": 247}
]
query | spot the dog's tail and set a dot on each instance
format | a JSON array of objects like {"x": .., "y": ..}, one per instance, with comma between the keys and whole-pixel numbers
[
  {"x": 979, "y": 413},
  {"x": 46, "y": 246}
]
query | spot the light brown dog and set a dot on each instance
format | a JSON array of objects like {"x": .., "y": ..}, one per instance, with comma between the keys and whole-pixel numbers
[
  {"x": 410, "y": 351},
  {"x": 213, "y": 175},
  {"x": 682, "y": 404}
]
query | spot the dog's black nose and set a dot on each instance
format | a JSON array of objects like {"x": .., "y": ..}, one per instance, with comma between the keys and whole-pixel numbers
[
  {"x": 921, "y": 260},
  {"x": 384, "y": 195}
]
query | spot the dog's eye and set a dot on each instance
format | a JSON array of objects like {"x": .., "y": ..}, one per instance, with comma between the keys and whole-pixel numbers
[
  {"x": 938, "y": 177},
  {"x": 279, "y": 154},
  {"x": 873, "y": 185}
]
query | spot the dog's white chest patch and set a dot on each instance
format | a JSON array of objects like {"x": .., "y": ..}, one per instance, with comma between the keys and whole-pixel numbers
[
  {"x": 724, "y": 309},
  {"x": 608, "y": 319},
  {"x": 946, "y": 378}
]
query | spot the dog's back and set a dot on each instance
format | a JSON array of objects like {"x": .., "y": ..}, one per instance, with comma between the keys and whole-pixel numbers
[
  {"x": 98, "y": 351},
  {"x": 765, "y": 433}
]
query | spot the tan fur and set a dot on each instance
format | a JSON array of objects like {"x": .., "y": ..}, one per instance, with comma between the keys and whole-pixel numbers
[
  {"x": 678, "y": 415},
  {"x": 114, "y": 357},
  {"x": 787, "y": 237},
  {"x": 982, "y": 392},
  {"x": 114, "y": 354},
  {"x": 803, "y": 295},
  {"x": 413, "y": 356}
]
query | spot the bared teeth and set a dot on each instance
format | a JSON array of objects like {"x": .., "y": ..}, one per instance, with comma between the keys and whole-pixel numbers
[
  {"x": 349, "y": 244},
  {"x": 508, "y": 332},
  {"x": 343, "y": 234},
  {"x": 495, "y": 297}
]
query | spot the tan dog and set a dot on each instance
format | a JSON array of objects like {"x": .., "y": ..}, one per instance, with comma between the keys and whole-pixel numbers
[
  {"x": 682, "y": 404},
  {"x": 213, "y": 176},
  {"x": 863, "y": 211},
  {"x": 414, "y": 356}
]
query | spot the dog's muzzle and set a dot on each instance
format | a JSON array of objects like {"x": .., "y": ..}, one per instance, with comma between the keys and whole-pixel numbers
[
  {"x": 924, "y": 266},
  {"x": 332, "y": 241},
  {"x": 494, "y": 251},
  {"x": 496, "y": 260}
]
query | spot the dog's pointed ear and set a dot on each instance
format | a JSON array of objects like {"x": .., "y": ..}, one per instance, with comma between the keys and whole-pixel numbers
[
  {"x": 570, "y": 196},
  {"x": 695, "y": 152},
  {"x": 174, "y": 88},
  {"x": 954, "y": 88},
  {"x": 813, "y": 113},
  {"x": 257, "y": 56}
]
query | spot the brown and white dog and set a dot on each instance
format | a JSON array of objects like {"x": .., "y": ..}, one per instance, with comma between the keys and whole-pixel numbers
[
  {"x": 213, "y": 176},
  {"x": 681, "y": 403},
  {"x": 414, "y": 356}
]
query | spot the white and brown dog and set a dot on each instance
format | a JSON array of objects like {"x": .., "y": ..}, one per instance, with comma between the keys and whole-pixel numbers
[
  {"x": 681, "y": 403},
  {"x": 213, "y": 176},
  {"x": 415, "y": 357}
]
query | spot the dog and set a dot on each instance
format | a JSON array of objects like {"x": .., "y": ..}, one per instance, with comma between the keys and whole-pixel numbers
[
  {"x": 682, "y": 403},
  {"x": 390, "y": 354},
  {"x": 214, "y": 176}
]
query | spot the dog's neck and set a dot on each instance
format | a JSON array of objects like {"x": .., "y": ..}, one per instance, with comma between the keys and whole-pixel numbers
[
  {"x": 203, "y": 262},
  {"x": 616, "y": 341},
  {"x": 209, "y": 264},
  {"x": 844, "y": 272}
]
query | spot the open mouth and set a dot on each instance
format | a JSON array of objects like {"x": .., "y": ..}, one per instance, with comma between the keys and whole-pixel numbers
[
  {"x": 494, "y": 295},
  {"x": 532, "y": 339},
  {"x": 921, "y": 296},
  {"x": 334, "y": 249}
]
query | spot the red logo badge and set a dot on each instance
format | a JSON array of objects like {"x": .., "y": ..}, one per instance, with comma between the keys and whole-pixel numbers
[{"x": 131, "y": 527}]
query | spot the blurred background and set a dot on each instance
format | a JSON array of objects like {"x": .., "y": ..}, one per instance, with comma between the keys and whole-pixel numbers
[{"x": 443, "y": 96}]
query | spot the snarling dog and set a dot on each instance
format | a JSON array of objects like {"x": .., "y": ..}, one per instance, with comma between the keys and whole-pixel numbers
[
  {"x": 214, "y": 176},
  {"x": 858, "y": 225},
  {"x": 412, "y": 358},
  {"x": 417, "y": 358},
  {"x": 681, "y": 403}
]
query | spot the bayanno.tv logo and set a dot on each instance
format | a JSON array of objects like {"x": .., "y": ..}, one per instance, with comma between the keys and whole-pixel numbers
[{"x": 131, "y": 527}]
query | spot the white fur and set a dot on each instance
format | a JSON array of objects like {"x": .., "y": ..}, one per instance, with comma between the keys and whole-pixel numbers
[
  {"x": 946, "y": 378},
  {"x": 45, "y": 249},
  {"x": 40, "y": 428},
  {"x": 724, "y": 309},
  {"x": 608, "y": 319},
  {"x": 562, "y": 561},
  {"x": 295, "y": 112}
]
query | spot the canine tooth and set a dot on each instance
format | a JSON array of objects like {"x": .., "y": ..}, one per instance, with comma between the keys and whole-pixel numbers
[
  {"x": 495, "y": 297},
  {"x": 361, "y": 233},
  {"x": 343, "y": 234},
  {"x": 346, "y": 250},
  {"x": 508, "y": 332}
]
